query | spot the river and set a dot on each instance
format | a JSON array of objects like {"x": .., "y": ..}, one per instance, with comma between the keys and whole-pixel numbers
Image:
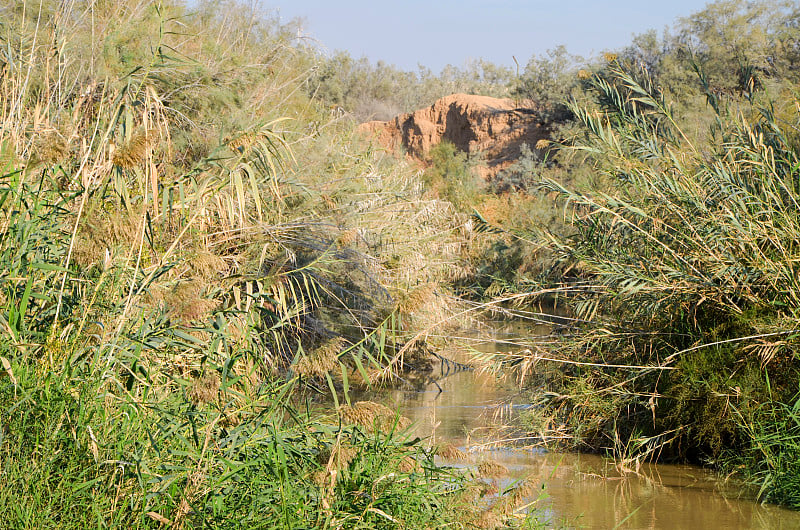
[{"x": 472, "y": 411}]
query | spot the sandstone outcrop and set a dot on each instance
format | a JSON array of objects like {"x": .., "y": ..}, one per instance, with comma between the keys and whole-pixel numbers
[{"x": 494, "y": 128}]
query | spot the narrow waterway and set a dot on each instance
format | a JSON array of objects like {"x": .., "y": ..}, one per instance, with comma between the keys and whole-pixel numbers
[{"x": 472, "y": 409}]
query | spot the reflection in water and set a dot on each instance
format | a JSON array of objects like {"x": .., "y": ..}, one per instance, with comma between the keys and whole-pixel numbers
[
  {"x": 582, "y": 491},
  {"x": 585, "y": 491}
]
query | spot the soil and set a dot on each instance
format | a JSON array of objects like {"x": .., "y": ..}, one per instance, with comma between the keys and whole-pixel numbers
[{"x": 489, "y": 128}]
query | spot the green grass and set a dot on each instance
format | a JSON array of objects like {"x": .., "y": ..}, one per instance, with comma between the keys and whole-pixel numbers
[
  {"x": 82, "y": 450},
  {"x": 770, "y": 463}
]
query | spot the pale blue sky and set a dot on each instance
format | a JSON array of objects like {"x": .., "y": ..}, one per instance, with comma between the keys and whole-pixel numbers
[{"x": 437, "y": 32}]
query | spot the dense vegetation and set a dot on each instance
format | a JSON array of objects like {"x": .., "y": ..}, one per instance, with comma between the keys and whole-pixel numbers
[
  {"x": 681, "y": 251},
  {"x": 688, "y": 265},
  {"x": 665, "y": 214},
  {"x": 192, "y": 250},
  {"x": 195, "y": 247}
]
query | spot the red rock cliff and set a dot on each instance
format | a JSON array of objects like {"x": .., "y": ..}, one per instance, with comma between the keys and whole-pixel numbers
[{"x": 475, "y": 124}]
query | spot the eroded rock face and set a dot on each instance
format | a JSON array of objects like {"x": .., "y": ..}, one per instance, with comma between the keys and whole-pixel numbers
[{"x": 497, "y": 128}]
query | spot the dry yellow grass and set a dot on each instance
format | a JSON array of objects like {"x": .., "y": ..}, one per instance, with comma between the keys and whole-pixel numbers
[
  {"x": 207, "y": 265},
  {"x": 610, "y": 57},
  {"x": 190, "y": 491},
  {"x": 408, "y": 464},
  {"x": 349, "y": 238},
  {"x": 204, "y": 389},
  {"x": 495, "y": 209},
  {"x": 450, "y": 452},
  {"x": 470, "y": 493},
  {"x": 412, "y": 300},
  {"x": 322, "y": 360},
  {"x": 488, "y": 520},
  {"x": 490, "y": 469},
  {"x": 370, "y": 415},
  {"x": 134, "y": 152},
  {"x": 489, "y": 488},
  {"x": 338, "y": 456},
  {"x": 185, "y": 302},
  {"x": 319, "y": 477},
  {"x": 522, "y": 492},
  {"x": 243, "y": 142},
  {"x": 50, "y": 146},
  {"x": 102, "y": 231}
]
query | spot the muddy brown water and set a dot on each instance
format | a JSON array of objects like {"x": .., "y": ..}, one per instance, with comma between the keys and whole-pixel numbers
[{"x": 576, "y": 490}]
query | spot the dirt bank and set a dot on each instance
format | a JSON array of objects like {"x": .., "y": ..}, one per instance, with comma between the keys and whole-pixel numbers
[{"x": 491, "y": 128}]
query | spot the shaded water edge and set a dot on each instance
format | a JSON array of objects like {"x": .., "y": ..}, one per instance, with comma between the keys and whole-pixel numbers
[{"x": 473, "y": 410}]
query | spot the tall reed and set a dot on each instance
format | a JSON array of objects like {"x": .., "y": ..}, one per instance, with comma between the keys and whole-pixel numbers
[
  {"x": 177, "y": 255},
  {"x": 687, "y": 266}
]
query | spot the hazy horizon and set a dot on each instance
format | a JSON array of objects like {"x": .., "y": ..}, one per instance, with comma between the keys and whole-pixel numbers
[{"x": 434, "y": 34}]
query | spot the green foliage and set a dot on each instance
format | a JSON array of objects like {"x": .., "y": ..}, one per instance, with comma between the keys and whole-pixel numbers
[
  {"x": 450, "y": 176},
  {"x": 731, "y": 35},
  {"x": 692, "y": 229},
  {"x": 547, "y": 83},
  {"x": 523, "y": 175},
  {"x": 82, "y": 450},
  {"x": 382, "y": 91},
  {"x": 771, "y": 461},
  {"x": 687, "y": 257}
]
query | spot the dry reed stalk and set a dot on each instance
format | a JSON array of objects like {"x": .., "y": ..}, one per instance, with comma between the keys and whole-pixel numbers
[
  {"x": 157, "y": 517},
  {"x": 204, "y": 389},
  {"x": 371, "y": 415},
  {"x": 322, "y": 360},
  {"x": 450, "y": 452},
  {"x": 490, "y": 469}
]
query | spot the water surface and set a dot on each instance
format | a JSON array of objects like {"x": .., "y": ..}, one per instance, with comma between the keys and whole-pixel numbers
[{"x": 473, "y": 409}]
